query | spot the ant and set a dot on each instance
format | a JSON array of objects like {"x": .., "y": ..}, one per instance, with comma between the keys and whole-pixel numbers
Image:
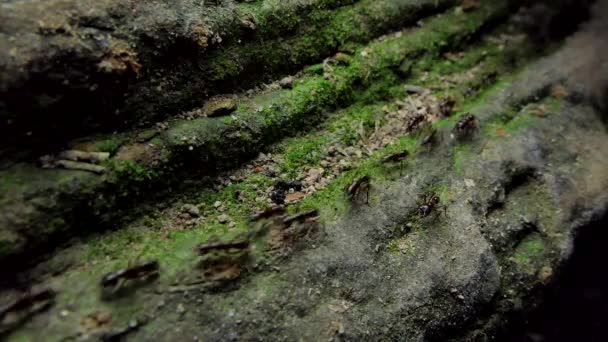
[
  {"x": 466, "y": 126},
  {"x": 222, "y": 246},
  {"x": 268, "y": 213},
  {"x": 26, "y": 305},
  {"x": 428, "y": 140},
  {"x": 310, "y": 215},
  {"x": 357, "y": 187},
  {"x": 413, "y": 122},
  {"x": 117, "y": 279},
  {"x": 430, "y": 202}
]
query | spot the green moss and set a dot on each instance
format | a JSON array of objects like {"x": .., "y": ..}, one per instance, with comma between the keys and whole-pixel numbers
[
  {"x": 460, "y": 155},
  {"x": 530, "y": 252},
  {"x": 512, "y": 121},
  {"x": 110, "y": 145},
  {"x": 305, "y": 151},
  {"x": 132, "y": 171},
  {"x": 214, "y": 143}
]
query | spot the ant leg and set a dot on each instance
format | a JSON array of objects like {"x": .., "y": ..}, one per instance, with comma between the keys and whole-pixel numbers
[{"x": 118, "y": 285}]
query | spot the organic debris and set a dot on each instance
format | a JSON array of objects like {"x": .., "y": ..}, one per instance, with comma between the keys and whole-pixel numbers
[{"x": 76, "y": 160}]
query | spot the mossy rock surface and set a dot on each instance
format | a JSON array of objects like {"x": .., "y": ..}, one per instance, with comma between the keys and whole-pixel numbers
[
  {"x": 148, "y": 160},
  {"x": 396, "y": 224}
]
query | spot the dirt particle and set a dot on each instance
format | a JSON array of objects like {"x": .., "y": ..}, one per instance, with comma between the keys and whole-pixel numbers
[
  {"x": 120, "y": 59},
  {"x": 201, "y": 35},
  {"x": 223, "y": 218},
  {"x": 501, "y": 132},
  {"x": 559, "y": 91},
  {"x": 294, "y": 197}
]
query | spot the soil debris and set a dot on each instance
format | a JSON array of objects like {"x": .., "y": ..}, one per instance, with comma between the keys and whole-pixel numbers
[
  {"x": 96, "y": 320},
  {"x": 72, "y": 165},
  {"x": 83, "y": 156},
  {"x": 191, "y": 210},
  {"x": 223, "y": 219},
  {"x": 76, "y": 160}
]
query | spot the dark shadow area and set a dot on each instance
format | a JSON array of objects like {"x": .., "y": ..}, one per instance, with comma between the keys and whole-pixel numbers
[{"x": 576, "y": 306}]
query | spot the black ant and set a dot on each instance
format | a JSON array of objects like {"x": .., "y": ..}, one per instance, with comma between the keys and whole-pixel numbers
[
  {"x": 26, "y": 305},
  {"x": 268, "y": 213},
  {"x": 413, "y": 122},
  {"x": 358, "y": 186},
  {"x": 466, "y": 126},
  {"x": 429, "y": 139},
  {"x": 430, "y": 202},
  {"x": 310, "y": 215},
  {"x": 117, "y": 279},
  {"x": 222, "y": 246}
]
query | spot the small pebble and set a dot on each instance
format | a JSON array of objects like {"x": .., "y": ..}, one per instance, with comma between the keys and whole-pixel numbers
[
  {"x": 223, "y": 218},
  {"x": 103, "y": 317},
  {"x": 180, "y": 308},
  {"x": 191, "y": 210},
  {"x": 217, "y": 204},
  {"x": 286, "y": 83}
]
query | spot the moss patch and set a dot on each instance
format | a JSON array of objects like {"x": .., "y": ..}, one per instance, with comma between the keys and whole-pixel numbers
[{"x": 529, "y": 253}]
